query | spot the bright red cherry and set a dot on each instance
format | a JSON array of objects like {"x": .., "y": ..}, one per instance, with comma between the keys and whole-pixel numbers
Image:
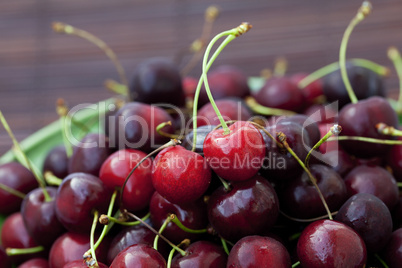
[
  {"x": 237, "y": 155},
  {"x": 138, "y": 255}
]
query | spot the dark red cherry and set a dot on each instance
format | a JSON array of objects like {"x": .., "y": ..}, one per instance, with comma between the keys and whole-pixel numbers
[
  {"x": 157, "y": 80},
  {"x": 312, "y": 91},
  {"x": 300, "y": 198},
  {"x": 322, "y": 113},
  {"x": 237, "y": 155},
  {"x": 56, "y": 161},
  {"x": 338, "y": 160},
  {"x": 5, "y": 261},
  {"x": 77, "y": 196},
  {"x": 202, "y": 132},
  {"x": 15, "y": 176},
  {"x": 40, "y": 217},
  {"x": 89, "y": 154},
  {"x": 180, "y": 175},
  {"x": 369, "y": 217},
  {"x": 258, "y": 251},
  {"x": 394, "y": 161},
  {"x": 392, "y": 253},
  {"x": 135, "y": 125},
  {"x": 138, "y": 255},
  {"x": 189, "y": 87},
  {"x": 139, "y": 188},
  {"x": 250, "y": 207},
  {"x": 373, "y": 180},
  {"x": 281, "y": 93},
  {"x": 201, "y": 254},
  {"x": 81, "y": 264},
  {"x": 328, "y": 243},
  {"x": 225, "y": 81},
  {"x": 230, "y": 109},
  {"x": 35, "y": 263},
  {"x": 193, "y": 215},
  {"x": 360, "y": 119}
]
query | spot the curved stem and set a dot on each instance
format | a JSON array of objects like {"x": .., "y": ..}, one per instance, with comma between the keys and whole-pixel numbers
[
  {"x": 388, "y": 130},
  {"x": 51, "y": 179},
  {"x": 395, "y": 57},
  {"x": 107, "y": 219},
  {"x": 165, "y": 134},
  {"x": 307, "y": 220},
  {"x": 259, "y": 109},
  {"x": 365, "y": 139},
  {"x": 163, "y": 227},
  {"x": 363, "y": 11},
  {"x": 90, "y": 257},
  {"x": 12, "y": 191},
  {"x": 62, "y": 111},
  {"x": 175, "y": 220}
]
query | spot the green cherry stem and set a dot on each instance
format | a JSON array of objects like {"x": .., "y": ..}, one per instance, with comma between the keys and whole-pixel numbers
[
  {"x": 90, "y": 256},
  {"x": 51, "y": 179},
  {"x": 171, "y": 253},
  {"x": 306, "y": 220},
  {"x": 109, "y": 219},
  {"x": 161, "y": 229},
  {"x": 175, "y": 220},
  {"x": 12, "y": 191},
  {"x": 332, "y": 67},
  {"x": 399, "y": 184},
  {"x": 395, "y": 57},
  {"x": 282, "y": 139},
  {"x": 62, "y": 111},
  {"x": 363, "y": 12},
  {"x": 335, "y": 129},
  {"x": 225, "y": 246},
  {"x": 116, "y": 87},
  {"x": 388, "y": 130},
  {"x": 263, "y": 110},
  {"x": 294, "y": 265},
  {"x": 22, "y": 251},
  {"x": 25, "y": 159},
  {"x": 165, "y": 134},
  {"x": 383, "y": 263},
  {"x": 365, "y": 139}
]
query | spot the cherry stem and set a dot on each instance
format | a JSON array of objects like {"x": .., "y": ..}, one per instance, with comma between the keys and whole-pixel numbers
[
  {"x": 296, "y": 264},
  {"x": 25, "y": 159},
  {"x": 307, "y": 220},
  {"x": 383, "y": 263},
  {"x": 260, "y": 109},
  {"x": 225, "y": 245},
  {"x": 282, "y": 138},
  {"x": 365, "y": 139},
  {"x": 161, "y": 229},
  {"x": 175, "y": 220},
  {"x": 62, "y": 111},
  {"x": 172, "y": 142},
  {"x": 182, "y": 252},
  {"x": 106, "y": 219},
  {"x": 225, "y": 184},
  {"x": 295, "y": 236},
  {"x": 281, "y": 66},
  {"x": 165, "y": 134},
  {"x": 89, "y": 256},
  {"x": 12, "y": 191},
  {"x": 399, "y": 184},
  {"x": 363, "y": 12},
  {"x": 22, "y": 251},
  {"x": 395, "y": 57},
  {"x": 332, "y": 67},
  {"x": 116, "y": 87},
  {"x": 231, "y": 34},
  {"x": 388, "y": 130},
  {"x": 60, "y": 27},
  {"x": 185, "y": 242},
  {"x": 335, "y": 129},
  {"x": 51, "y": 179}
]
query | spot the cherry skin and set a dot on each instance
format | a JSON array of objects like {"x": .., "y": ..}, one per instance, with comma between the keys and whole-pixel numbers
[
  {"x": 89, "y": 155},
  {"x": 139, "y": 188},
  {"x": 15, "y": 176},
  {"x": 139, "y": 255},
  {"x": 392, "y": 253},
  {"x": 157, "y": 80},
  {"x": 394, "y": 161},
  {"x": 40, "y": 216},
  {"x": 360, "y": 119},
  {"x": 238, "y": 155},
  {"x": 81, "y": 264},
  {"x": 135, "y": 124},
  {"x": 369, "y": 217},
  {"x": 250, "y": 207},
  {"x": 258, "y": 251},
  {"x": 77, "y": 196},
  {"x": 56, "y": 161},
  {"x": 4, "y": 259},
  {"x": 373, "y": 180},
  {"x": 312, "y": 91},
  {"x": 202, "y": 132},
  {"x": 201, "y": 254},
  {"x": 35, "y": 263},
  {"x": 180, "y": 175},
  {"x": 193, "y": 215},
  {"x": 338, "y": 160},
  {"x": 327, "y": 243}
]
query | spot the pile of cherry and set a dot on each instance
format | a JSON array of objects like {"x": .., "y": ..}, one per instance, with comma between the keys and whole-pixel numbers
[{"x": 243, "y": 195}]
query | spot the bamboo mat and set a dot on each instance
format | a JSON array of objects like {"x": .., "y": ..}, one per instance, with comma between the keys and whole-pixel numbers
[{"x": 37, "y": 66}]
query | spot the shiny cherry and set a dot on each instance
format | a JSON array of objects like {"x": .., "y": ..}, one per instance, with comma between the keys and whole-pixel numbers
[
  {"x": 35, "y": 263},
  {"x": 56, "y": 161},
  {"x": 138, "y": 255},
  {"x": 392, "y": 253}
]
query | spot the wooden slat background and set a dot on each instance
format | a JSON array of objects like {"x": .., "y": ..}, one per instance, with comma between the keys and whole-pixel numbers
[{"x": 38, "y": 66}]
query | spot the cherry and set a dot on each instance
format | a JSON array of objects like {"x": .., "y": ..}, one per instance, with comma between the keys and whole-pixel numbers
[
  {"x": 322, "y": 113},
  {"x": 180, "y": 175},
  {"x": 77, "y": 196},
  {"x": 250, "y": 207},
  {"x": 338, "y": 160},
  {"x": 5, "y": 261},
  {"x": 202, "y": 132},
  {"x": 360, "y": 119},
  {"x": 237, "y": 155},
  {"x": 300, "y": 198},
  {"x": 312, "y": 91},
  {"x": 40, "y": 218},
  {"x": 56, "y": 161},
  {"x": 157, "y": 80},
  {"x": 81, "y": 264},
  {"x": 17, "y": 177},
  {"x": 72, "y": 246},
  {"x": 393, "y": 160},
  {"x": 134, "y": 126},
  {"x": 189, "y": 86},
  {"x": 392, "y": 252},
  {"x": 258, "y": 251},
  {"x": 327, "y": 243},
  {"x": 308, "y": 123},
  {"x": 138, "y": 255},
  {"x": 373, "y": 180},
  {"x": 230, "y": 108},
  {"x": 90, "y": 154},
  {"x": 369, "y": 217},
  {"x": 201, "y": 254},
  {"x": 225, "y": 81},
  {"x": 193, "y": 215},
  {"x": 134, "y": 235},
  {"x": 35, "y": 263},
  {"x": 139, "y": 188},
  {"x": 281, "y": 93}
]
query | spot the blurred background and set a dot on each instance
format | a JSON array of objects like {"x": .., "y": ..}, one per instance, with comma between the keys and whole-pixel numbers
[{"x": 38, "y": 66}]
